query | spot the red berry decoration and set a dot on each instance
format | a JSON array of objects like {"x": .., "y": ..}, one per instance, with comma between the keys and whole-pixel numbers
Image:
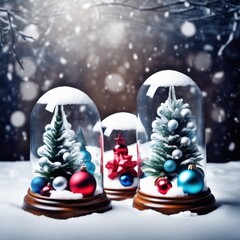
[
  {"x": 83, "y": 182},
  {"x": 120, "y": 148},
  {"x": 163, "y": 185}
]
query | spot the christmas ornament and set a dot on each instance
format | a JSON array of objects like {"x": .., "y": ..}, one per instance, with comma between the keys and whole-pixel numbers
[
  {"x": 121, "y": 164},
  {"x": 186, "y": 113},
  {"x": 120, "y": 148},
  {"x": 38, "y": 183},
  {"x": 83, "y": 182},
  {"x": 177, "y": 154},
  {"x": 46, "y": 190},
  {"x": 163, "y": 185},
  {"x": 185, "y": 141},
  {"x": 191, "y": 125},
  {"x": 59, "y": 183},
  {"x": 90, "y": 167},
  {"x": 172, "y": 124},
  {"x": 126, "y": 180},
  {"x": 170, "y": 166},
  {"x": 191, "y": 181},
  {"x": 85, "y": 155}
]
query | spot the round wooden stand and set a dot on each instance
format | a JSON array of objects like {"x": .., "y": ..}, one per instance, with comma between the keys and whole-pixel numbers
[
  {"x": 120, "y": 194},
  {"x": 201, "y": 204},
  {"x": 65, "y": 208}
]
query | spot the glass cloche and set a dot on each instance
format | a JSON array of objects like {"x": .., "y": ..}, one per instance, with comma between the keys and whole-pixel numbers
[
  {"x": 171, "y": 146},
  {"x": 120, "y": 158},
  {"x": 66, "y": 146}
]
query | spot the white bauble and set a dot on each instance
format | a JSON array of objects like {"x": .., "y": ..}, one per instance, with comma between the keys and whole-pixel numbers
[
  {"x": 186, "y": 112},
  {"x": 185, "y": 141},
  {"x": 192, "y": 125},
  {"x": 60, "y": 183},
  {"x": 177, "y": 154},
  {"x": 172, "y": 124}
]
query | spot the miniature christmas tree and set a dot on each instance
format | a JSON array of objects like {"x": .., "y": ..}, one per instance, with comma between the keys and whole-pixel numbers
[
  {"x": 84, "y": 155},
  {"x": 122, "y": 165},
  {"x": 172, "y": 142},
  {"x": 65, "y": 185},
  {"x": 60, "y": 152}
]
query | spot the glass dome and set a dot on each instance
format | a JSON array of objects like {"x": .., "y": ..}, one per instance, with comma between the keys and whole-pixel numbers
[
  {"x": 171, "y": 146},
  {"x": 66, "y": 146},
  {"x": 120, "y": 158}
]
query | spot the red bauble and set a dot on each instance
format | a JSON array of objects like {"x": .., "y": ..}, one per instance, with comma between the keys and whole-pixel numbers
[
  {"x": 46, "y": 190},
  {"x": 163, "y": 185},
  {"x": 120, "y": 149},
  {"x": 83, "y": 182}
]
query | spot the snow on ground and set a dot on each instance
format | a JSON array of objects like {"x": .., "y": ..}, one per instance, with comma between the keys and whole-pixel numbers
[{"x": 122, "y": 222}]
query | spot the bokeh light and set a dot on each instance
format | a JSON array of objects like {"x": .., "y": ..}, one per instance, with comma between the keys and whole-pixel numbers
[
  {"x": 114, "y": 82},
  {"x": 188, "y": 29},
  {"x": 18, "y": 119}
]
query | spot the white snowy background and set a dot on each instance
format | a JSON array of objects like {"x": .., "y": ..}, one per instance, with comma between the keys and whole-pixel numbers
[{"x": 123, "y": 221}]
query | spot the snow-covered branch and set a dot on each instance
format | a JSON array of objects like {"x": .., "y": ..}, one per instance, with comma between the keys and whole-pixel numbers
[
  {"x": 191, "y": 10},
  {"x": 10, "y": 32}
]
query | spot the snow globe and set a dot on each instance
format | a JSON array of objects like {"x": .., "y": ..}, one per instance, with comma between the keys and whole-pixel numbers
[
  {"x": 171, "y": 146},
  {"x": 120, "y": 158},
  {"x": 66, "y": 145}
]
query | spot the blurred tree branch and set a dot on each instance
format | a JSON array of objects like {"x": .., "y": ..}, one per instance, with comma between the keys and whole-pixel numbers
[
  {"x": 11, "y": 33},
  {"x": 191, "y": 10}
]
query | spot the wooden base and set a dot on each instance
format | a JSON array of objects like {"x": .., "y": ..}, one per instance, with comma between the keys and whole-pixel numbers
[
  {"x": 65, "y": 208},
  {"x": 120, "y": 194},
  {"x": 201, "y": 204}
]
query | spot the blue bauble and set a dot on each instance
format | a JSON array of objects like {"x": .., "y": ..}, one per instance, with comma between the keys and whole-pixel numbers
[
  {"x": 170, "y": 166},
  {"x": 85, "y": 155},
  {"x": 126, "y": 180},
  {"x": 191, "y": 181},
  {"x": 38, "y": 183},
  {"x": 90, "y": 167}
]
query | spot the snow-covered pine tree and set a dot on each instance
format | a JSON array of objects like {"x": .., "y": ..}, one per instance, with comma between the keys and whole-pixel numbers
[
  {"x": 60, "y": 151},
  {"x": 81, "y": 139},
  {"x": 173, "y": 138}
]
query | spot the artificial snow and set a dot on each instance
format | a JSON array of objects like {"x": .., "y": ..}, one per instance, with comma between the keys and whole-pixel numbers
[
  {"x": 123, "y": 221},
  {"x": 65, "y": 194},
  {"x": 119, "y": 121},
  {"x": 62, "y": 96},
  {"x": 166, "y": 78}
]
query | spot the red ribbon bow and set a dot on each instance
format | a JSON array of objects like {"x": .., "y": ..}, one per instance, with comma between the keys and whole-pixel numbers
[{"x": 121, "y": 164}]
